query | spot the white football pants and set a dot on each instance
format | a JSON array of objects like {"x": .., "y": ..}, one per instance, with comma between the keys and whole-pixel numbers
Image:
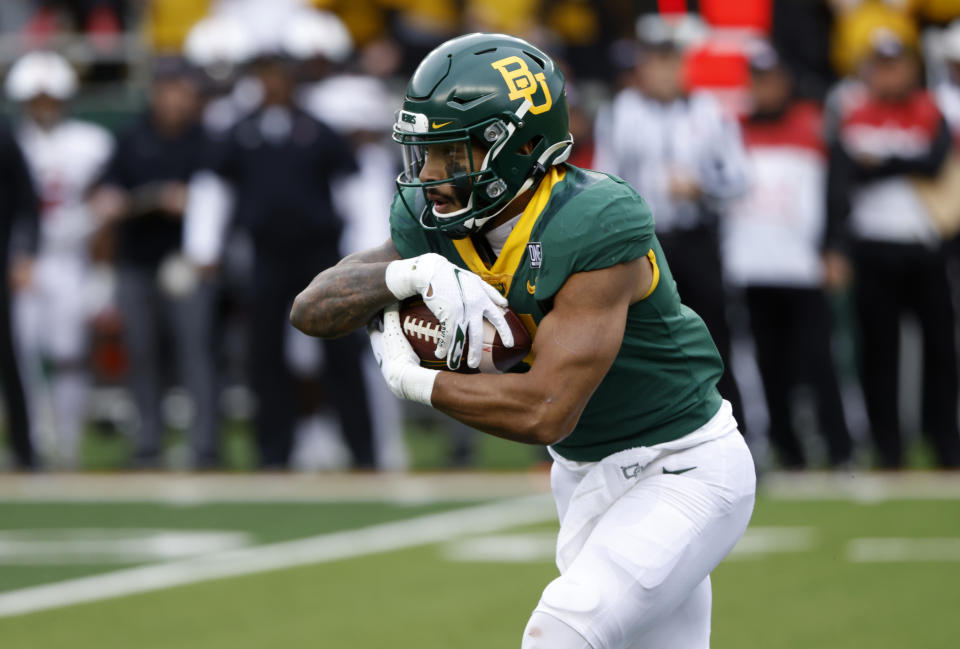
[{"x": 640, "y": 532}]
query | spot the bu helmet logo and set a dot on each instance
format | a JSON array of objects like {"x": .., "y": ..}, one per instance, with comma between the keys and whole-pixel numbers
[{"x": 523, "y": 83}]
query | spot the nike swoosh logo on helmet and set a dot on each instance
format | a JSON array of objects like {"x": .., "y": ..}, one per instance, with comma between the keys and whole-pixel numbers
[{"x": 435, "y": 125}]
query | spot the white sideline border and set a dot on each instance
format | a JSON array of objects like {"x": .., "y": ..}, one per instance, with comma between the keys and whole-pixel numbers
[
  {"x": 187, "y": 490},
  {"x": 386, "y": 537}
]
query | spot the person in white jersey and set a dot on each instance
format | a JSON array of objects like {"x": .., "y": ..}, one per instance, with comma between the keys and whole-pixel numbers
[{"x": 65, "y": 156}]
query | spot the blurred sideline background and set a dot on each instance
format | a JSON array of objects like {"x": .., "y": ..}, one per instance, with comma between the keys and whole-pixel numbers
[{"x": 98, "y": 402}]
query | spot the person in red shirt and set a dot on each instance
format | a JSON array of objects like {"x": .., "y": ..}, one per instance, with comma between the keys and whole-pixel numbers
[
  {"x": 890, "y": 131},
  {"x": 772, "y": 246}
]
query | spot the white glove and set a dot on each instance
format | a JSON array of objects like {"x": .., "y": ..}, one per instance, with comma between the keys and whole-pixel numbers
[
  {"x": 458, "y": 298},
  {"x": 398, "y": 362}
]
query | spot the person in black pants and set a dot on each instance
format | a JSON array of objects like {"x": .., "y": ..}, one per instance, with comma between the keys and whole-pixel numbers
[
  {"x": 772, "y": 248},
  {"x": 142, "y": 198},
  {"x": 791, "y": 331},
  {"x": 279, "y": 162},
  {"x": 887, "y": 134},
  {"x": 892, "y": 279},
  {"x": 18, "y": 217}
]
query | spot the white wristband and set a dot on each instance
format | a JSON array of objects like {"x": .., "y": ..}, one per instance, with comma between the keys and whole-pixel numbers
[{"x": 417, "y": 384}]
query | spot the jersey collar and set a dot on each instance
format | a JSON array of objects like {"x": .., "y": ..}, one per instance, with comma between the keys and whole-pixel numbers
[{"x": 500, "y": 274}]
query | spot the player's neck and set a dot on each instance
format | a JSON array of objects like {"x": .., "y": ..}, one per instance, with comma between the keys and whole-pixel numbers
[{"x": 514, "y": 208}]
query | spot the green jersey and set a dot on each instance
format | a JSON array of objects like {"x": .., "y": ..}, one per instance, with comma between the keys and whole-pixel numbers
[{"x": 662, "y": 384}]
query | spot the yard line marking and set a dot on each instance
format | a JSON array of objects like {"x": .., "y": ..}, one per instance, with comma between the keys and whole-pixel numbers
[
  {"x": 503, "y": 548},
  {"x": 66, "y": 546},
  {"x": 386, "y": 537},
  {"x": 893, "y": 550},
  {"x": 860, "y": 486},
  {"x": 759, "y": 541}
]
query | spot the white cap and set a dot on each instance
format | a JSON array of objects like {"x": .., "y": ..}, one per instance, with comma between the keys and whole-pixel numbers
[
  {"x": 950, "y": 42},
  {"x": 41, "y": 73},
  {"x": 675, "y": 31},
  {"x": 218, "y": 40},
  {"x": 354, "y": 103},
  {"x": 310, "y": 33}
]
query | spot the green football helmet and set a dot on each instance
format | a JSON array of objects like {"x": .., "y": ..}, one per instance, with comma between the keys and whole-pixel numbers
[{"x": 488, "y": 94}]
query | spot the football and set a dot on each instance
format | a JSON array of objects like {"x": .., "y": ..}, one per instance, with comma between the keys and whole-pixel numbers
[{"x": 422, "y": 329}]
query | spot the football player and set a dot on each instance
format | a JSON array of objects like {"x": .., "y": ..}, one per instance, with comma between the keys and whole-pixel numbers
[{"x": 652, "y": 480}]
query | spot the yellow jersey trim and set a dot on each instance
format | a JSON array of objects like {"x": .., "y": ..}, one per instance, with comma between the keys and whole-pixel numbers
[
  {"x": 500, "y": 274},
  {"x": 656, "y": 274}
]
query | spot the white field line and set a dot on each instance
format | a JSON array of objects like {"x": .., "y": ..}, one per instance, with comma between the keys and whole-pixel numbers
[
  {"x": 386, "y": 537},
  {"x": 190, "y": 490},
  {"x": 760, "y": 541},
  {"x": 503, "y": 548},
  {"x": 861, "y": 486},
  {"x": 71, "y": 546},
  {"x": 757, "y": 542},
  {"x": 892, "y": 550}
]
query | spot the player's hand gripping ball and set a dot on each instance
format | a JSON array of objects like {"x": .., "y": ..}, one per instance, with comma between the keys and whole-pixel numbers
[
  {"x": 398, "y": 362},
  {"x": 459, "y": 299},
  {"x": 422, "y": 330}
]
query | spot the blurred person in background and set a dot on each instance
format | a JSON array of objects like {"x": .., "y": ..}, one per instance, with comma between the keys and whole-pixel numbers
[
  {"x": 320, "y": 44},
  {"x": 888, "y": 134},
  {"x": 218, "y": 47},
  {"x": 772, "y": 239},
  {"x": 358, "y": 107},
  {"x": 65, "y": 157},
  {"x": 18, "y": 245},
  {"x": 141, "y": 199},
  {"x": 279, "y": 163},
  {"x": 800, "y": 31},
  {"x": 854, "y": 22},
  {"x": 687, "y": 160}
]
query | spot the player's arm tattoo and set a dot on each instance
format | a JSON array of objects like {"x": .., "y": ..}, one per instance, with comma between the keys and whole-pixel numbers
[{"x": 346, "y": 296}]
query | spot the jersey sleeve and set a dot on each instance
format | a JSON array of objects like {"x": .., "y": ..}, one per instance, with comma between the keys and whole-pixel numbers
[
  {"x": 610, "y": 225},
  {"x": 408, "y": 236}
]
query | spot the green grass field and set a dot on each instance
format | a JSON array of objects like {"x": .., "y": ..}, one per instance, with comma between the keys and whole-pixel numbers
[{"x": 433, "y": 564}]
